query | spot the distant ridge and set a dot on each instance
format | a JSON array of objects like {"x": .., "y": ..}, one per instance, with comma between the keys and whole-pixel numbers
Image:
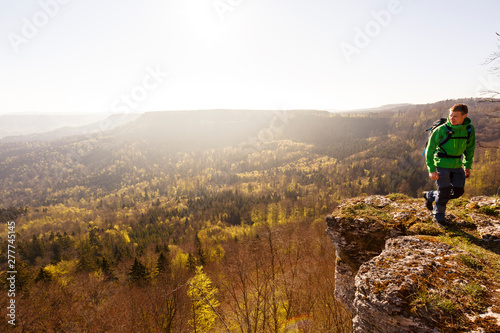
[
  {"x": 24, "y": 124},
  {"x": 212, "y": 128},
  {"x": 35, "y": 127},
  {"x": 387, "y": 107}
]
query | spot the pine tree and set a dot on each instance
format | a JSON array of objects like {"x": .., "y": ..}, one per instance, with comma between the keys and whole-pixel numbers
[
  {"x": 36, "y": 249},
  {"x": 24, "y": 275},
  {"x": 109, "y": 274},
  {"x": 191, "y": 262},
  {"x": 202, "y": 294},
  {"x": 138, "y": 274},
  {"x": 117, "y": 253},
  {"x": 85, "y": 263},
  {"x": 43, "y": 275},
  {"x": 56, "y": 250},
  {"x": 201, "y": 253},
  {"x": 162, "y": 265},
  {"x": 201, "y": 256}
]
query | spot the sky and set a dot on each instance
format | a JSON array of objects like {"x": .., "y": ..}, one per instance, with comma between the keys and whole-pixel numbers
[{"x": 124, "y": 56}]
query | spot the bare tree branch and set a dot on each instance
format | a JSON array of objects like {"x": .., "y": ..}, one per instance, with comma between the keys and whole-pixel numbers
[
  {"x": 489, "y": 100},
  {"x": 492, "y": 95},
  {"x": 493, "y": 61}
]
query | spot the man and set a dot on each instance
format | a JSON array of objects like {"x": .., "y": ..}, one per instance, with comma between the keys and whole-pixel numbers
[{"x": 450, "y": 150}]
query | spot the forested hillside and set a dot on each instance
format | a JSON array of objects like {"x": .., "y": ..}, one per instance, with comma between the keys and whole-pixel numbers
[{"x": 117, "y": 230}]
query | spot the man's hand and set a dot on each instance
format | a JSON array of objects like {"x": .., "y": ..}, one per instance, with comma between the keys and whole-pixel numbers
[
  {"x": 467, "y": 173},
  {"x": 434, "y": 175}
]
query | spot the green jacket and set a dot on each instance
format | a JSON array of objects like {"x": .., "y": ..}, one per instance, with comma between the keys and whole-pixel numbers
[{"x": 453, "y": 147}]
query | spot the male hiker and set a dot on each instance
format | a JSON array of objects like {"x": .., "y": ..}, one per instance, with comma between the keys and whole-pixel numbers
[{"x": 449, "y": 151}]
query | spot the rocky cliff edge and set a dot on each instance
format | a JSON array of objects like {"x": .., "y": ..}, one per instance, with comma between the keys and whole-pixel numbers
[{"x": 397, "y": 272}]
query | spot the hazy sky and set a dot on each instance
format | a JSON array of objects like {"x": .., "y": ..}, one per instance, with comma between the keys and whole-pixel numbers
[{"x": 78, "y": 56}]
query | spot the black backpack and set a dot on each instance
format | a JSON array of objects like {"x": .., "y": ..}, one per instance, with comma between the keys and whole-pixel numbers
[{"x": 449, "y": 133}]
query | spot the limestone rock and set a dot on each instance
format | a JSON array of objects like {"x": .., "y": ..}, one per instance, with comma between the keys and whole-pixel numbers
[
  {"x": 482, "y": 201},
  {"x": 378, "y": 201},
  {"x": 356, "y": 241},
  {"x": 488, "y": 227},
  {"x": 384, "y": 283},
  {"x": 387, "y": 258}
]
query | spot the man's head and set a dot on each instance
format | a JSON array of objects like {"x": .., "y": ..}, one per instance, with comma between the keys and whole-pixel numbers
[{"x": 458, "y": 113}]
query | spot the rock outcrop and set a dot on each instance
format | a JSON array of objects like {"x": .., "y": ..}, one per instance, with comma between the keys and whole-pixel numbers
[{"x": 397, "y": 272}]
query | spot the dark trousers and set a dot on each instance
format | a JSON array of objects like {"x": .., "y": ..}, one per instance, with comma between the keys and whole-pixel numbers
[{"x": 450, "y": 184}]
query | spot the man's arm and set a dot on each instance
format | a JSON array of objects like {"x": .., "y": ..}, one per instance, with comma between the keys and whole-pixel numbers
[
  {"x": 469, "y": 151},
  {"x": 429, "y": 154}
]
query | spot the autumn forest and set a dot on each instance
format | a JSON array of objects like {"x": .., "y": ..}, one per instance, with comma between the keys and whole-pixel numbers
[{"x": 206, "y": 221}]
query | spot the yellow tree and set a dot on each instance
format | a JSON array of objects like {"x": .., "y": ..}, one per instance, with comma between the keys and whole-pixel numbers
[{"x": 202, "y": 294}]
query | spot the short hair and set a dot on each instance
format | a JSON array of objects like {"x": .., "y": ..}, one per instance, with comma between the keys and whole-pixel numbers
[{"x": 460, "y": 107}]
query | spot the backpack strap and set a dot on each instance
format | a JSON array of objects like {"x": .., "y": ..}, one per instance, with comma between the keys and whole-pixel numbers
[
  {"x": 449, "y": 136},
  {"x": 445, "y": 155}
]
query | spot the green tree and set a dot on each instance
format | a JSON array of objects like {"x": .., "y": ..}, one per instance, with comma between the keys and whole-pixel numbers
[
  {"x": 43, "y": 275},
  {"x": 24, "y": 275},
  {"x": 191, "y": 262},
  {"x": 138, "y": 274},
  {"x": 108, "y": 272},
  {"x": 86, "y": 262},
  {"x": 201, "y": 253},
  {"x": 35, "y": 250},
  {"x": 163, "y": 265}
]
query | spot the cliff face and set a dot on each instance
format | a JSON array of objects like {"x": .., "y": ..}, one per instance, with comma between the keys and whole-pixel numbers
[{"x": 397, "y": 272}]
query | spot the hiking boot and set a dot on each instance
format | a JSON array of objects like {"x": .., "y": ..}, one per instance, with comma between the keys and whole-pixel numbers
[
  {"x": 441, "y": 224},
  {"x": 428, "y": 201}
]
